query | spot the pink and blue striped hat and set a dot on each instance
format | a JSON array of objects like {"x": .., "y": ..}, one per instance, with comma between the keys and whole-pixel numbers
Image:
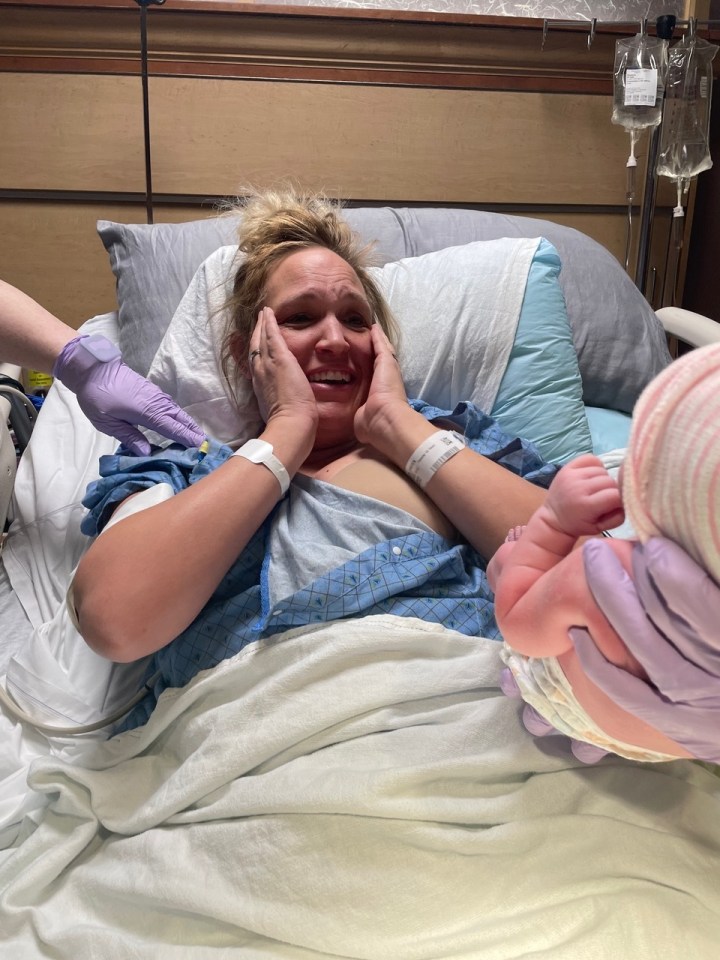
[{"x": 671, "y": 474}]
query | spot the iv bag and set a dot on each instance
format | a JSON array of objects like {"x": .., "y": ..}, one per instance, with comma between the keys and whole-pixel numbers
[
  {"x": 684, "y": 139},
  {"x": 639, "y": 82}
]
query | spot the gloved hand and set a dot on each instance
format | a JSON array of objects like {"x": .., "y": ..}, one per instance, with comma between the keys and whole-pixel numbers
[
  {"x": 115, "y": 399},
  {"x": 538, "y": 726},
  {"x": 668, "y": 618}
]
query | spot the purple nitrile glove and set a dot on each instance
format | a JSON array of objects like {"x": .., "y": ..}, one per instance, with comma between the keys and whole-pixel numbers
[
  {"x": 538, "y": 726},
  {"x": 669, "y": 619},
  {"x": 116, "y": 399}
]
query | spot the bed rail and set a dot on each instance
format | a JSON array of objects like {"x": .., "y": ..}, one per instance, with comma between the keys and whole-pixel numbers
[
  {"x": 16, "y": 411},
  {"x": 692, "y": 328}
]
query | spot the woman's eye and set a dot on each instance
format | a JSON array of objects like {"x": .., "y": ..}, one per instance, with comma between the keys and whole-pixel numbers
[
  {"x": 357, "y": 322},
  {"x": 298, "y": 319}
]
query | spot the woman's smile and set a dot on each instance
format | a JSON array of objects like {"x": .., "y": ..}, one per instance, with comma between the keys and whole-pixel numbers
[{"x": 325, "y": 319}]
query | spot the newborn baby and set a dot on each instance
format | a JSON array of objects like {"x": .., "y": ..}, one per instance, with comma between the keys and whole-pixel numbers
[{"x": 616, "y": 643}]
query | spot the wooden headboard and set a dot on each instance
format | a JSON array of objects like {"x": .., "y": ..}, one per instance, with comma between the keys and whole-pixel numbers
[{"x": 374, "y": 106}]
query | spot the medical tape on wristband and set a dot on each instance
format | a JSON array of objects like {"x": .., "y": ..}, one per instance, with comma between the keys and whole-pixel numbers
[{"x": 431, "y": 455}]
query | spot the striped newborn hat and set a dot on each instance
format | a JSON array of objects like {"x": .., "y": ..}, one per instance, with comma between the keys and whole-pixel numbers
[{"x": 671, "y": 474}]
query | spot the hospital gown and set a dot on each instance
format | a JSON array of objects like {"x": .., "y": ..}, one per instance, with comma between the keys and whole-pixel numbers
[{"x": 382, "y": 561}]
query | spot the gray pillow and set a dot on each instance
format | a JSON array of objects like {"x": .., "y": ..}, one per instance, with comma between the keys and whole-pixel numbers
[
  {"x": 153, "y": 266},
  {"x": 619, "y": 340}
]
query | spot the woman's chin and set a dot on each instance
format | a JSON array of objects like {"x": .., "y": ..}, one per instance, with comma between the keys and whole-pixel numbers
[{"x": 336, "y": 430}]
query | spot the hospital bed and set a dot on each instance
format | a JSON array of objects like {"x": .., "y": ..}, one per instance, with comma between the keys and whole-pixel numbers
[{"x": 359, "y": 789}]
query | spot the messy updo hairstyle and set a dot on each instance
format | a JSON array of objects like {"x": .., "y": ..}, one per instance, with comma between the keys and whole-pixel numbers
[{"x": 275, "y": 223}]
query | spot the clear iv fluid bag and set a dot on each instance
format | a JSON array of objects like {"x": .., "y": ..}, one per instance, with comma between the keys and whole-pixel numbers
[
  {"x": 639, "y": 82},
  {"x": 684, "y": 141}
]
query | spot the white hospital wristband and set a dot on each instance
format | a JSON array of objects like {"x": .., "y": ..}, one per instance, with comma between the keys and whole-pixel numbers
[
  {"x": 431, "y": 455},
  {"x": 260, "y": 451}
]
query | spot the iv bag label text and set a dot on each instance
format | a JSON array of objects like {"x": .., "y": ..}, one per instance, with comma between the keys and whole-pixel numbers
[{"x": 640, "y": 87}]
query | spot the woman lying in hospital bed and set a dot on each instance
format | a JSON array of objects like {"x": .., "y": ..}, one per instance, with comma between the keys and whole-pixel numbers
[
  {"x": 352, "y": 429},
  {"x": 210, "y": 566},
  {"x": 338, "y": 422},
  {"x": 352, "y": 789}
]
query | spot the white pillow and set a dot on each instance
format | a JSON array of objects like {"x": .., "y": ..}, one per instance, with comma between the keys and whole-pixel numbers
[
  {"x": 187, "y": 362},
  {"x": 457, "y": 309}
]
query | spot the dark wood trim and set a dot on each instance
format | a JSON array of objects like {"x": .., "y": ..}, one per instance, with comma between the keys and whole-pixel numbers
[
  {"x": 96, "y": 66},
  {"x": 212, "y": 201},
  {"x": 277, "y": 42},
  {"x": 457, "y": 81},
  {"x": 217, "y": 39},
  {"x": 200, "y": 70}
]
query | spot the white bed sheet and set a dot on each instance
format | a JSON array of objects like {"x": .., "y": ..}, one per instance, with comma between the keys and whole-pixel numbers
[
  {"x": 16, "y": 628},
  {"x": 44, "y": 662},
  {"x": 44, "y": 544}
]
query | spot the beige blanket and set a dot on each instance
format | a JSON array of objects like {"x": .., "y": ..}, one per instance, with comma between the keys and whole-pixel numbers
[{"x": 360, "y": 790}]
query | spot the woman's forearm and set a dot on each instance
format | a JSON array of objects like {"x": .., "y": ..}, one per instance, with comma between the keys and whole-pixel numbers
[
  {"x": 145, "y": 579},
  {"x": 30, "y": 336},
  {"x": 482, "y": 499}
]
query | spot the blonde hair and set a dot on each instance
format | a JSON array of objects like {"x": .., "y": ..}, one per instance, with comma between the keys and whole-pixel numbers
[{"x": 274, "y": 224}]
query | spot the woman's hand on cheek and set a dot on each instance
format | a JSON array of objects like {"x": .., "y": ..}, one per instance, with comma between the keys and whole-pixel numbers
[
  {"x": 386, "y": 393},
  {"x": 281, "y": 387}
]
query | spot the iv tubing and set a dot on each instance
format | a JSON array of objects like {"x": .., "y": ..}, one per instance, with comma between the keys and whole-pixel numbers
[
  {"x": 630, "y": 193},
  {"x": 648, "y": 209},
  {"x": 678, "y": 217},
  {"x": 16, "y": 711}
]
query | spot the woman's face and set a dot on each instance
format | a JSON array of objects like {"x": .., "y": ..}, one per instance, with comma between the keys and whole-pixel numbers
[{"x": 325, "y": 319}]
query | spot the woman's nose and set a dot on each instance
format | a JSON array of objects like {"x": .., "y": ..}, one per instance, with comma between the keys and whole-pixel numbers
[{"x": 332, "y": 335}]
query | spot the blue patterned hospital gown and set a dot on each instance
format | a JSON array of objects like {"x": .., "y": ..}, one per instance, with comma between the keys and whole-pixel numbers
[{"x": 415, "y": 574}]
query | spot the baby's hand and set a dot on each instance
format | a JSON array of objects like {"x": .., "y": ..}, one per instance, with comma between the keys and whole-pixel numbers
[{"x": 585, "y": 498}]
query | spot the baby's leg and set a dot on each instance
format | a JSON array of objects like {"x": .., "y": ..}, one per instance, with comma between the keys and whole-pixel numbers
[{"x": 583, "y": 499}]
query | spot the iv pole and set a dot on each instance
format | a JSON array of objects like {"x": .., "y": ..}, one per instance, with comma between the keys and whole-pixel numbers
[
  {"x": 664, "y": 29},
  {"x": 144, "y": 4}
]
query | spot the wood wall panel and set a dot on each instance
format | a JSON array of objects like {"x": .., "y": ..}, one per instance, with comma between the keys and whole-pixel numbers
[
  {"x": 424, "y": 108},
  {"x": 57, "y": 257},
  {"x": 371, "y": 45},
  {"x": 51, "y": 251},
  {"x": 66, "y": 132},
  {"x": 462, "y": 146},
  {"x": 609, "y": 229}
]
